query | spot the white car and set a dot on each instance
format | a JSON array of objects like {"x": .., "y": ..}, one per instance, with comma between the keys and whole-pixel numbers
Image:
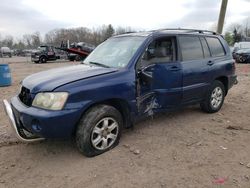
[{"x": 5, "y": 51}]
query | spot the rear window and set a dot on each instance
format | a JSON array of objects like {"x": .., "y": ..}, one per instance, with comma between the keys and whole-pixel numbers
[
  {"x": 215, "y": 46},
  {"x": 190, "y": 48}
]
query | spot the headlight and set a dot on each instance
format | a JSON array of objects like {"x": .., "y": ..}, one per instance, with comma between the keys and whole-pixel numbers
[{"x": 50, "y": 100}]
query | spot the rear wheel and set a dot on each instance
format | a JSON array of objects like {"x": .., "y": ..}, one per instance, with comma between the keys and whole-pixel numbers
[
  {"x": 215, "y": 98},
  {"x": 99, "y": 130}
]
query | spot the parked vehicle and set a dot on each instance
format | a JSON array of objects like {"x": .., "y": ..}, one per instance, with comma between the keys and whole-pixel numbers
[
  {"x": 5, "y": 51},
  {"x": 243, "y": 56},
  {"x": 43, "y": 54},
  {"x": 126, "y": 78},
  {"x": 84, "y": 47},
  {"x": 240, "y": 46},
  {"x": 19, "y": 52}
]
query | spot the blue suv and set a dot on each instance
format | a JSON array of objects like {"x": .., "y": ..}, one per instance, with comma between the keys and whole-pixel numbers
[{"x": 126, "y": 78}]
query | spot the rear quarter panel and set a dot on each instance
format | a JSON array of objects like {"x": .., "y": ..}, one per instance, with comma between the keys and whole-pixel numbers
[{"x": 225, "y": 65}]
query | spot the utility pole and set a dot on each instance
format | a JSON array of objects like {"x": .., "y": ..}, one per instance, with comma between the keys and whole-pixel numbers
[{"x": 223, "y": 9}]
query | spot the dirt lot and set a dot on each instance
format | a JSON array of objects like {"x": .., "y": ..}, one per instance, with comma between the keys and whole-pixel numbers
[{"x": 187, "y": 148}]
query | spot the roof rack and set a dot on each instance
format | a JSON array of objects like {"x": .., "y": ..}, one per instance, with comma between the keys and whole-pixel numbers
[{"x": 187, "y": 30}]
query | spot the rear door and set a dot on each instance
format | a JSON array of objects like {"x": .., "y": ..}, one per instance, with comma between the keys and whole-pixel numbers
[
  {"x": 221, "y": 63},
  {"x": 195, "y": 60}
]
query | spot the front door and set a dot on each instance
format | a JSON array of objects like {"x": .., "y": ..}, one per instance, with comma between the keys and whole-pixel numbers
[{"x": 159, "y": 78}]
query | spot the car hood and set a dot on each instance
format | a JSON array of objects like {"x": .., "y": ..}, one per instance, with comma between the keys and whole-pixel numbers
[
  {"x": 243, "y": 51},
  {"x": 53, "y": 78}
]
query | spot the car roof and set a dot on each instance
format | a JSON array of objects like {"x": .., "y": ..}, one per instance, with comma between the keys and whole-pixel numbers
[{"x": 170, "y": 31}]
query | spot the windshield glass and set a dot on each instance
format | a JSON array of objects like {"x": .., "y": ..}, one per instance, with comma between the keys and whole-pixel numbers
[{"x": 115, "y": 52}]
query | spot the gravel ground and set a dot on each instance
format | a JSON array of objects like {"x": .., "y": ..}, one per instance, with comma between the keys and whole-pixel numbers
[{"x": 182, "y": 149}]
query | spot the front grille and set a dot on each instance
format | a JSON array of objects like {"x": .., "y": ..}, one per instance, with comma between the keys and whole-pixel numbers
[{"x": 25, "y": 96}]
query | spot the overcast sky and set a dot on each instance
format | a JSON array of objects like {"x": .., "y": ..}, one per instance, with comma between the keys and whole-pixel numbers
[{"x": 18, "y": 17}]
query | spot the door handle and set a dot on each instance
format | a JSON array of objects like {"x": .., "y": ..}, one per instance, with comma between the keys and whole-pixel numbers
[
  {"x": 210, "y": 62},
  {"x": 174, "y": 68}
]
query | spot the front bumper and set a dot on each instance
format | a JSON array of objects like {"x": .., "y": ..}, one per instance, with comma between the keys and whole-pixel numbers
[
  {"x": 38, "y": 123},
  {"x": 21, "y": 134},
  {"x": 34, "y": 58}
]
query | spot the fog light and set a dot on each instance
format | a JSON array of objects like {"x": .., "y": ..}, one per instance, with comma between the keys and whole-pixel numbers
[{"x": 36, "y": 126}]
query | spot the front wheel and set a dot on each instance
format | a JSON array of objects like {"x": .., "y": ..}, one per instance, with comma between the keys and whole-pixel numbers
[
  {"x": 214, "y": 98},
  {"x": 242, "y": 59},
  {"x": 99, "y": 130},
  {"x": 43, "y": 59}
]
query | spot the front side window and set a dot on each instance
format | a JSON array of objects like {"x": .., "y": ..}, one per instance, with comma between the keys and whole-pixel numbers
[
  {"x": 161, "y": 50},
  {"x": 215, "y": 46},
  {"x": 115, "y": 52},
  {"x": 191, "y": 48}
]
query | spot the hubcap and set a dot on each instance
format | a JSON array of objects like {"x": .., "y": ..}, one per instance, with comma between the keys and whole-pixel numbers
[
  {"x": 104, "y": 133},
  {"x": 216, "y": 97}
]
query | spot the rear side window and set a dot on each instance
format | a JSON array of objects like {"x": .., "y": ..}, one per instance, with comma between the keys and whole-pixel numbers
[
  {"x": 205, "y": 47},
  {"x": 215, "y": 46},
  {"x": 190, "y": 48}
]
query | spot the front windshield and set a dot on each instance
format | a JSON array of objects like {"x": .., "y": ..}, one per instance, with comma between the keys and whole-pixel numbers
[{"x": 115, "y": 52}]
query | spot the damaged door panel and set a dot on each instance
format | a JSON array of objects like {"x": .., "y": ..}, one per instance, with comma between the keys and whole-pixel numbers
[{"x": 159, "y": 82}]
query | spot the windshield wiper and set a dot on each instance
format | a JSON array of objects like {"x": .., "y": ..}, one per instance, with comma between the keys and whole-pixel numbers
[{"x": 99, "y": 64}]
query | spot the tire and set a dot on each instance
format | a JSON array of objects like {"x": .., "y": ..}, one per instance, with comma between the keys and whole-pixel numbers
[
  {"x": 242, "y": 60},
  {"x": 43, "y": 59},
  {"x": 94, "y": 130},
  {"x": 78, "y": 58},
  {"x": 71, "y": 58},
  {"x": 214, "y": 98}
]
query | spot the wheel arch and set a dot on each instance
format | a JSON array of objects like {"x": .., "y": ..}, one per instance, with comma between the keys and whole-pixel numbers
[
  {"x": 44, "y": 57},
  {"x": 120, "y": 104},
  {"x": 224, "y": 81}
]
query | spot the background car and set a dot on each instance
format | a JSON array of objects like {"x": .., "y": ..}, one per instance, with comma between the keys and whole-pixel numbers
[
  {"x": 239, "y": 46},
  {"x": 5, "y": 51},
  {"x": 43, "y": 54},
  {"x": 243, "y": 56},
  {"x": 81, "y": 46}
]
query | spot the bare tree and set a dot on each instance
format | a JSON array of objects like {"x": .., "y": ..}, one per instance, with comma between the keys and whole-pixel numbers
[
  {"x": 27, "y": 39},
  {"x": 246, "y": 27},
  {"x": 35, "y": 39},
  {"x": 8, "y": 41}
]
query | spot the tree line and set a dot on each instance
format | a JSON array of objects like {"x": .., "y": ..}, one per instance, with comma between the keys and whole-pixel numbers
[
  {"x": 234, "y": 33},
  {"x": 55, "y": 37},
  {"x": 237, "y": 32}
]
